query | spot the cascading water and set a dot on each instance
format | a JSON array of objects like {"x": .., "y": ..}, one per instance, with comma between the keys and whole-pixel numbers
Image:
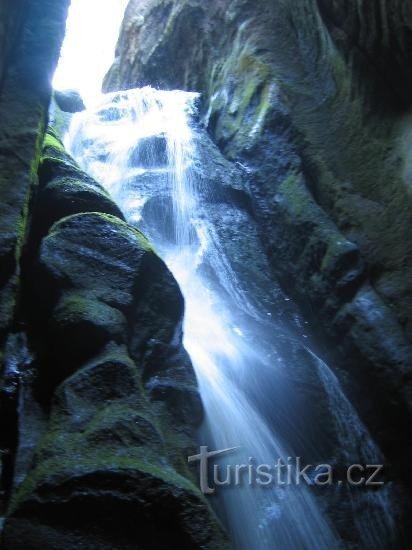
[{"x": 140, "y": 145}]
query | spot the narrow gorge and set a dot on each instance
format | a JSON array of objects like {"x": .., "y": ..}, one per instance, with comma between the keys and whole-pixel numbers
[{"x": 205, "y": 284}]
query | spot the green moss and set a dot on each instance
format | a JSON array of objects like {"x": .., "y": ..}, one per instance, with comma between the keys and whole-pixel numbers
[
  {"x": 299, "y": 201},
  {"x": 120, "y": 226},
  {"x": 75, "y": 308},
  {"x": 250, "y": 63},
  {"x": 64, "y": 455},
  {"x": 76, "y": 182},
  {"x": 250, "y": 103},
  {"x": 21, "y": 233},
  {"x": 263, "y": 108},
  {"x": 51, "y": 140},
  {"x": 325, "y": 253},
  {"x": 54, "y": 150},
  {"x": 34, "y": 165},
  {"x": 240, "y": 92},
  {"x": 60, "y": 161},
  {"x": 118, "y": 411}
]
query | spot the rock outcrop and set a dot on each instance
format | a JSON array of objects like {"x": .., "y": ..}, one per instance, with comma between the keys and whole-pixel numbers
[
  {"x": 98, "y": 399},
  {"x": 107, "y": 398},
  {"x": 30, "y": 38},
  {"x": 311, "y": 99}
]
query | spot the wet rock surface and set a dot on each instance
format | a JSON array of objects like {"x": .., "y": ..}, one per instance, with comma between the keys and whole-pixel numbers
[
  {"x": 307, "y": 107},
  {"x": 103, "y": 409},
  {"x": 31, "y": 38},
  {"x": 310, "y": 102}
]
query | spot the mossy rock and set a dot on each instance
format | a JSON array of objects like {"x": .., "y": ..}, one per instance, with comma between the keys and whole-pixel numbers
[
  {"x": 103, "y": 454},
  {"x": 243, "y": 94},
  {"x": 68, "y": 194},
  {"x": 98, "y": 281},
  {"x": 314, "y": 249},
  {"x": 74, "y": 308},
  {"x": 64, "y": 189},
  {"x": 53, "y": 146},
  {"x": 134, "y": 506},
  {"x": 98, "y": 253},
  {"x": 80, "y": 326}
]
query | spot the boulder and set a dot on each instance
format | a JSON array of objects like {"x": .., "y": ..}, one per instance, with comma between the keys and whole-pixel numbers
[
  {"x": 69, "y": 101},
  {"x": 98, "y": 253}
]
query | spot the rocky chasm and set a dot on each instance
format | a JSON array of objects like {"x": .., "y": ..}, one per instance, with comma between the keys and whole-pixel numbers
[{"x": 302, "y": 174}]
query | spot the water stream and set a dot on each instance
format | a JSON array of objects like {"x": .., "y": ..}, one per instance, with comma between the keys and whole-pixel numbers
[{"x": 140, "y": 145}]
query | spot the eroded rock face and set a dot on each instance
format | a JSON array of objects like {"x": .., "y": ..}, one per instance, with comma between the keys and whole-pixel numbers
[
  {"x": 30, "y": 38},
  {"x": 311, "y": 98},
  {"x": 376, "y": 37},
  {"x": 279, "y": 95},
  {"x": 108, "y": 399}
]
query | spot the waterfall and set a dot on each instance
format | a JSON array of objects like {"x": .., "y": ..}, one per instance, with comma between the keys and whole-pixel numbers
[{"x": 141, "y": 145}]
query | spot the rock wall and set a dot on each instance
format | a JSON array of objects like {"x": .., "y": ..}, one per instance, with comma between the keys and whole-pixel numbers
[
  {"x": 312, "y": 99},
  {"x": 30, "y": 38},
  {"x": 31, "y": 35},
  {"x": 107, "y": 397},
  {"x": 98, "y": 399}
]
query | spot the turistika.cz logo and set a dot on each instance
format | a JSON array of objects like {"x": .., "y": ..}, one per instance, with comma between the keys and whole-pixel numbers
[{"x": 283, "y": 472}]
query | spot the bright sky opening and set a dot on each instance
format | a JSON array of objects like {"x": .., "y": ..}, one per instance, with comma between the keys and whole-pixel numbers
[{"x": 89, "y": 46}]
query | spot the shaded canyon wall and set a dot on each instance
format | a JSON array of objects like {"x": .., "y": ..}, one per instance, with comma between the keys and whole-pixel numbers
[
  {"x": 98, "y": 399},
  {"x": 311, "y": 99}
]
